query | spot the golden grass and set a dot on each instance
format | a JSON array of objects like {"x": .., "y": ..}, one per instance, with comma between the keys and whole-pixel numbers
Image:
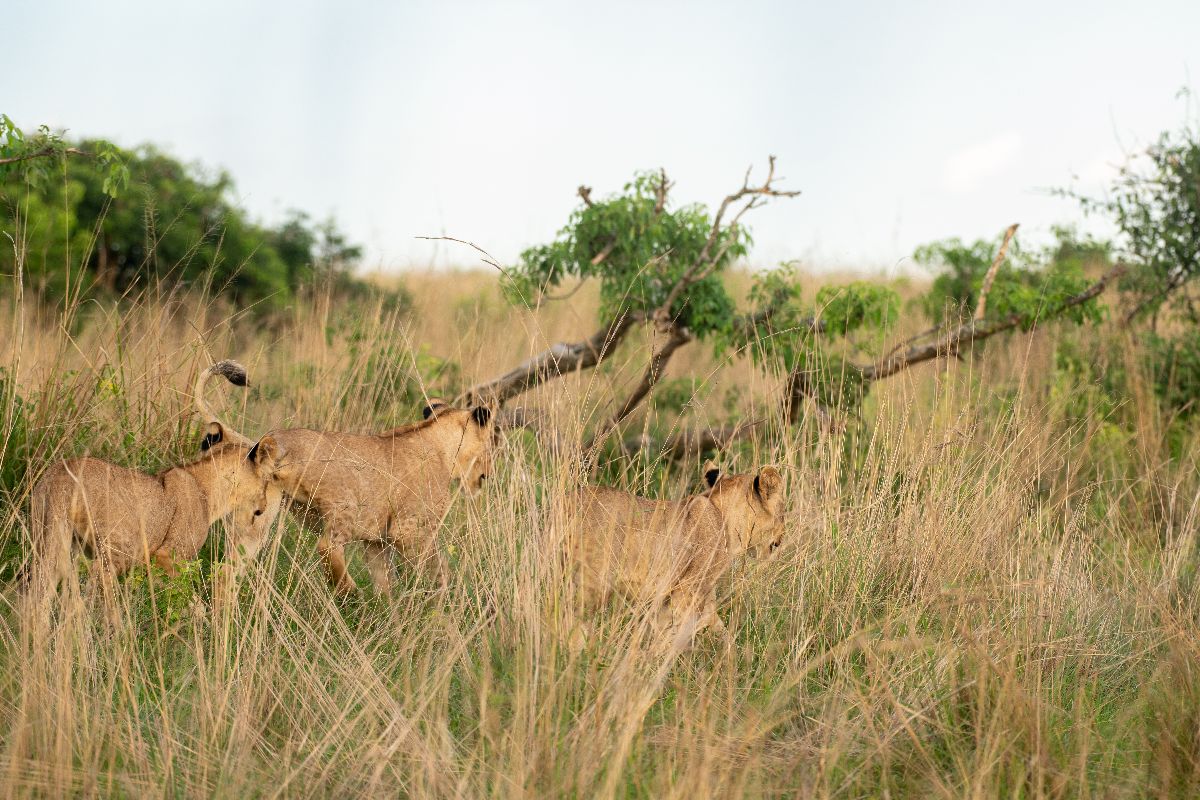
[{"x": 979, "y": 595}]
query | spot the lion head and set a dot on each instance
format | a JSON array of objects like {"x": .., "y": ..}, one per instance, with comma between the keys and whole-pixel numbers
[{"x": 751, "y": 506}]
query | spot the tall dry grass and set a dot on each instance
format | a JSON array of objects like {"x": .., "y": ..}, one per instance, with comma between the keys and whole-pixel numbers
[{"x": 982, "y": 592}]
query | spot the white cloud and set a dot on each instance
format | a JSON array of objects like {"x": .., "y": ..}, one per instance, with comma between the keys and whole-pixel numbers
[{"x": 966, "y": 169}]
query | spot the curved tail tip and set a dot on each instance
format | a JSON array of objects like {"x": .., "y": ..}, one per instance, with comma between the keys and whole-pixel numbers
[{"x": 232, "y": 371}]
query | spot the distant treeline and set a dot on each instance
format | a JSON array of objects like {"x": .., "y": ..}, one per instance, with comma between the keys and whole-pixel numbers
[{"x": 173, "y": 223}]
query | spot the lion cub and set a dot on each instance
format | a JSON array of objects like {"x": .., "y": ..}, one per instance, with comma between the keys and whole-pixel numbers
[
  {"x": 388, "y": 490},
  {"x": 670, "y": 552},
  {"x": 123, "y": 517}
]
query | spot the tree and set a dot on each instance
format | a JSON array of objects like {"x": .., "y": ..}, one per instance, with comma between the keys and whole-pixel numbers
[
  {"x": 663, "y": 267},
  {"x": 114, "y": 220},
  {"x": 1155, "y": 204}
]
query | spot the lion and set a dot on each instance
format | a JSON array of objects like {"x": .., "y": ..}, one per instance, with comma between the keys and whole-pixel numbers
[
  {"x": 122, "y": 517},
  {"x": 388, "y": 490},
  {"x": 669, "y": 554}
]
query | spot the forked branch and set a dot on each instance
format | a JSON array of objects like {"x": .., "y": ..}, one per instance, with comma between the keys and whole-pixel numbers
[{"x": 676, "y": 336}]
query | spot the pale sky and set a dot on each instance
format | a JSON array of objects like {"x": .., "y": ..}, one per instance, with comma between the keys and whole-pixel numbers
[{"x": 901, "y": 123}]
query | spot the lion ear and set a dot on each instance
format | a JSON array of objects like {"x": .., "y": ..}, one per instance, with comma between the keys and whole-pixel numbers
[
  {"x": 711, "y": 473},
  {"x": 768, "y": 483},
  {"x": 266, "y": 454},
  {"x": 213, "y": 434},
  {"x": 481, "y": 415},
  {"x": 435, "y": 405}
]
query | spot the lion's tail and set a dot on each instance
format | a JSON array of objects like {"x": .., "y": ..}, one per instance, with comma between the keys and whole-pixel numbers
[{"x": 233, "y": 372}]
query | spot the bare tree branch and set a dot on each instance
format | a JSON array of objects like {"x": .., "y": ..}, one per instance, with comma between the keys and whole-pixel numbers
[
  {"x": 677, "y": 336},
  {"x": 981, "y": 306},
  {"x": 660, "y": 194},
  {"x": 560, "y": 359},
  {"x": 706, "y": 262},
  {"x": 974, "y": 330},
  {"x": 1173, "y": 283}
]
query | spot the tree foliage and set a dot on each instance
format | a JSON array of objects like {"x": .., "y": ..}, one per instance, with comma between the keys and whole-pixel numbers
[
  {"x": 113, "y": 220},
  {"x": 665, "y": 265},
  {"x": 638, "y": 247},
  {"x": 1030, "y": 285},
  {"x": 1155, "y": 204}
]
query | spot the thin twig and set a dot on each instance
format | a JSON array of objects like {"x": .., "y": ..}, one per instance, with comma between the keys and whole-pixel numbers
[
  {"x": 981, "y": 306},
  {"x": 487, "y": 257}
]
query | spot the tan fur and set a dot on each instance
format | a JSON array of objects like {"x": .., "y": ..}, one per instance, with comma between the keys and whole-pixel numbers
[
  {"x": 122, "y": 517},
  {"x": 669, "y": 553},
  {"x": 389, "y": 490}
]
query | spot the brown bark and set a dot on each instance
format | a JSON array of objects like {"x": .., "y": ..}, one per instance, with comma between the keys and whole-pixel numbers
[
  {"x": 677, "y": 337},
  {"x": 976, "y": 330},
  {"x": 560, "y": 359}
]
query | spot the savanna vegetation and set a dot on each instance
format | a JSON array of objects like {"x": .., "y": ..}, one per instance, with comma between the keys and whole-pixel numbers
[{"x": 988, "y": 585}]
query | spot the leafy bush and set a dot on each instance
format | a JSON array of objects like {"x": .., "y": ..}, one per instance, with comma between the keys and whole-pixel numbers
[
  {"x": 1175, "y": 370},
  {"x": 1155, "y": 204},
  {"x": 794, "y": 338},
  {"x": 113, "y": 220},
  {"x": 1030, "y": 285}
]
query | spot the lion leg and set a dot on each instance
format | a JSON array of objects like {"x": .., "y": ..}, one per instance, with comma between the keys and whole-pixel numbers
[
  {"x": 333, "y": 555},
  {"x": 51, "y": 564},
  {"x": 709, "y": 619},
  {"x": 417, "y": 543},
  {"x": 432, "y": 565},
  {"x": 682, "y": 618},
  {"x": 583, "y": 602},
  {"x": 379, "y": 562},
  {"x": 165, "y": 560}
]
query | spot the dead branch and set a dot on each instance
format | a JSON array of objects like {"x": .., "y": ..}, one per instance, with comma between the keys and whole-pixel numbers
[
  {"x": 981, "y": 306},
  {"x": 707, "y": 262},
  {"x": 660, "y": 193},
  {"x": 585, "y": 194},
  {"x": 975, "y": 330},
  {"x": 677, "y": 336},
  {"x": 560, "y": 359}
]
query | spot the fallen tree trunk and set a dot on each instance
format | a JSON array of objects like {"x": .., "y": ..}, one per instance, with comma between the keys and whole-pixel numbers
[
  {"x": 560, "y": 359},
  {"x": 975, "y": 330}
]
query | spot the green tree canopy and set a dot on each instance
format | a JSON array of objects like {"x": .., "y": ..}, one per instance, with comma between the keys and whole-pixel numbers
[{"x": 80, "y": 221}]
